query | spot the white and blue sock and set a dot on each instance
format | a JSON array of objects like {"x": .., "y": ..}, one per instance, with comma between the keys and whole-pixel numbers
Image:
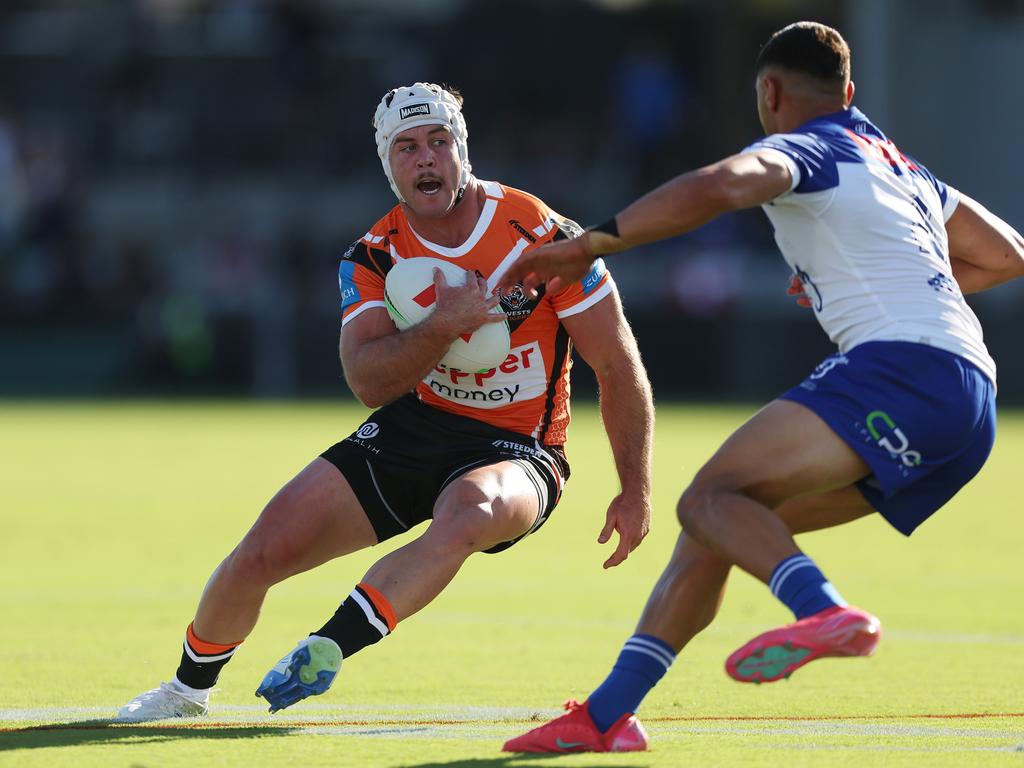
[
  {"x": 644, "y": 660},
  {"x": 798, "y": 583}
]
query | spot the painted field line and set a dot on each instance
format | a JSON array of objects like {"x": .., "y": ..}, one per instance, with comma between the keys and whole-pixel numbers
[
  {"x": 828, "y": 727},
  {"x": 311, "y": 711},
  {"x": 844, "y": 728},
  {"x": 923, "y": 732},
  {"x": 826, "y": 718},
  {"x": 405, "y": 718},
  {"x": 828, "y": 736}
]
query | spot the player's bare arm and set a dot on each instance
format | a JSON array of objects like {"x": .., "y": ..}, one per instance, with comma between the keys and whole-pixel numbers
[
  {"x": 984, "y": 250},
  {"x": 680, "y": 205},
  {"x": 605, "y": 340},
  {"x": 381, "y": 364}
]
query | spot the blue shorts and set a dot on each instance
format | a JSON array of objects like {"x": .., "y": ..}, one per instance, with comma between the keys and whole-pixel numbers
[{"x": 923, "y": 419}]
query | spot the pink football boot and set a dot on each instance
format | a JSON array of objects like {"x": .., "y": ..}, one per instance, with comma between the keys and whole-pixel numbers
[
  {"x": 576, "y": 732},
  {"x": 836, "y": 631}
]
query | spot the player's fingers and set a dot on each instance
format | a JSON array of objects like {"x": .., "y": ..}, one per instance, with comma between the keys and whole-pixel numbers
[
  {"x": 509, "y": 278},
  {"x": 554, "y": 285},
  {"x": 519, "y": 269},
  {"x": 609, "y": 527},
  {"x": 439, "y": 280},
  {"x": 531, "y": 282},
  {"x": 619, "y": 555},
  {"x": 803, "y": 301}
]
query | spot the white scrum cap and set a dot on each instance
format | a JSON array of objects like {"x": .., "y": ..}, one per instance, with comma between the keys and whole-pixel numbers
[{"x": 419, "y": 104}]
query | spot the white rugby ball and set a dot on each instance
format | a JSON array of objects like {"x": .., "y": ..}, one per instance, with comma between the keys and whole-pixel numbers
[{"x": 409, "y": 294}]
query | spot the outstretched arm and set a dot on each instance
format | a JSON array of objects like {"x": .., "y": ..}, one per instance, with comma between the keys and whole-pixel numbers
[
  {"x": 984, "y": 250},
  {"x": 680, "y": 205},
  {"x": 605, "y": 340}
]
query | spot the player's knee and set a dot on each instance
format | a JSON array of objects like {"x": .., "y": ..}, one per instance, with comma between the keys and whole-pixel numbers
[
  {"x": 253, "y": 563},
  {"x": 685, "y": 507},
  {"x": 263, "y": 559},
  {"x": 467, "y": 528},
  {"x": 471, "y": 522},
  {"x": 695, "y": 510}
]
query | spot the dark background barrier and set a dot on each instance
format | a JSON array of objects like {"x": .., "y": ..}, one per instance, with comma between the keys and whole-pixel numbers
[{"x": 178, "y": 178}]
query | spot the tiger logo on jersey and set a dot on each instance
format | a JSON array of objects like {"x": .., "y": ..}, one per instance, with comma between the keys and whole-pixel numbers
[{"x": 514, "y": 299}]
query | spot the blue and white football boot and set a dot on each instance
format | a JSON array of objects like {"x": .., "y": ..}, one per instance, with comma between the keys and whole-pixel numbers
[{"x": 308, "y": 670}]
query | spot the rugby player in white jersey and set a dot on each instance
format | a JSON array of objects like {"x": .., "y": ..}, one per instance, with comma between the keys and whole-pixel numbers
[
  {"x": 477, "y": 454},
  {"x": 896, "y": 422}
]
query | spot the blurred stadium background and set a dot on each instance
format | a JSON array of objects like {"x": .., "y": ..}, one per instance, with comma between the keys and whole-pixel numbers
[{"x": 179, "y": 177}]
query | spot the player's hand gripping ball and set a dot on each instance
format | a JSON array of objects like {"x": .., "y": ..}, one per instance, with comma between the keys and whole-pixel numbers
[{"x": 410, "y": 298}]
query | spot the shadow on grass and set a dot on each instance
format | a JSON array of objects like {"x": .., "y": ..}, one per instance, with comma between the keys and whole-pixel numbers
[{"x": 112, "y": 732}]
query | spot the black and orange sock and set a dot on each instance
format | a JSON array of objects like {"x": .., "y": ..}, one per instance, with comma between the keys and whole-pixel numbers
[
  {"x": 364, "y": 618},
  {"x": 201, "y": 661}
]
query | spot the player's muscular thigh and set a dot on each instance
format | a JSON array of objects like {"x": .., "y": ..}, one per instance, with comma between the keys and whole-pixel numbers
[
  {"x": 783, "y": 451},
  {"x": 313, "y": 519}
]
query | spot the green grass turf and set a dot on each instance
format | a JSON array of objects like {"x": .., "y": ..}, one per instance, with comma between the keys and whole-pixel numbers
[{"x": 114, "y": 515}]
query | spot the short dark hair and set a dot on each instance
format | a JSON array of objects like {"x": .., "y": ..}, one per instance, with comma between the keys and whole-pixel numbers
[{"x": 809, "y": 48}]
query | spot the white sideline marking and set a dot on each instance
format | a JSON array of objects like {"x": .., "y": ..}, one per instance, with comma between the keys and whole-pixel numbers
[
  {"x": 844, "y": 728},
  {"x": 257, "y": 713},
  {"x": 441, "y": 722}
]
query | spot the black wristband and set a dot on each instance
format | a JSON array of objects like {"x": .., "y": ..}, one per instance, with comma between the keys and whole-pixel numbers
[{"x": 610, "y": 227}]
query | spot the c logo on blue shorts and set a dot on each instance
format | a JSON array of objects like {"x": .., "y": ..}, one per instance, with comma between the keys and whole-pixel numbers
[{"x": 908, "y": 457}]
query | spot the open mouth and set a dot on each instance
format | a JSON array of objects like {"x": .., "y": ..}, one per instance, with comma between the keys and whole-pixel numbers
[{"x": 429, "y": 187}]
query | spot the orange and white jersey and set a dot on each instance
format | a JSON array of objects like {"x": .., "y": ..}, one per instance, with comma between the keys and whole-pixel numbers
[{"x": 529, "y": 392}]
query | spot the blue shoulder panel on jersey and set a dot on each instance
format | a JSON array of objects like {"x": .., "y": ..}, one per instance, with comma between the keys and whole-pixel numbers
[
  {"x": 593, "y": 277},
  {"x": 819, "y": 145},
  {"x": 812, "y": 156},
  {"x": 347, "y": 286}
]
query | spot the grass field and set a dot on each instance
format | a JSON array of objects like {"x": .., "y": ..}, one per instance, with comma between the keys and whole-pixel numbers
[{"x": 114, "y": 515}]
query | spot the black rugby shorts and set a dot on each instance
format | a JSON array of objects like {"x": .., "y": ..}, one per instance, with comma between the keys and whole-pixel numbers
[{"x": 406, "y": 453}]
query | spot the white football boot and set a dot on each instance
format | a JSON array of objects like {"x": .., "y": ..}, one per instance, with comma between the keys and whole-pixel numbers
[{"x": 168, "y": 701}]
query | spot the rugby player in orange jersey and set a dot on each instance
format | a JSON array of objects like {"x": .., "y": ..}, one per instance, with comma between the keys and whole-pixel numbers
[{"x": 479, "y": 455}]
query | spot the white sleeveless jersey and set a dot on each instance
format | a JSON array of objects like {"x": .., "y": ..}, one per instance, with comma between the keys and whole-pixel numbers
[{"x": 863, "y": 227}]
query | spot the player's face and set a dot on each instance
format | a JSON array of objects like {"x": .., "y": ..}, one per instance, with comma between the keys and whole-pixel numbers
[{"x": 426, "y": 167}]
